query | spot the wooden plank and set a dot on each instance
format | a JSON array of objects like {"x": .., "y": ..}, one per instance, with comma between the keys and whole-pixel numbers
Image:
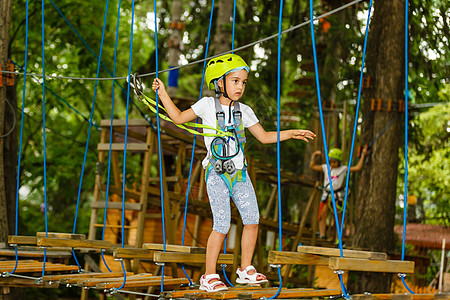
[
  {"x": 295, "y": 258},
  {"x": 175, "y": 248},
  {"x": 290, "y": 293},
  {"x": 347, "y": 253},
  {"x": 189, "y": 257},
  {"x": 117, "y": 205},
  {"x": 63, "y": 278},
  {"x": 121, "y": 122},
  {"x": 94, "y": 244},
  {"x": 114, "y": 226},
  {"x": 91, "y": 282},
  {"x": 168, "y": 179},
  {"x": 144, "y": 283},
  {"x": 59, "y": 235},
  {"x": 128, "y": 253},
  {"x": 22, "y": 240},
  {"x": 231, "y": 293},
  {"x": 367, "y": 265},
  {"x": 182, "y": 293},
  {"x": 35, "y": 253},
  {"x": 13, "y": 262},
  {"x": 121, "y": 146},
  {"x": 38, "y": 268},
  {"x": 401, "y": 296},
  {"x": 23, "y": 282}
]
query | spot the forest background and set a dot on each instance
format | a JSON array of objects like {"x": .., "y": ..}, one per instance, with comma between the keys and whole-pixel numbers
[{"x": 68, "y": 102}]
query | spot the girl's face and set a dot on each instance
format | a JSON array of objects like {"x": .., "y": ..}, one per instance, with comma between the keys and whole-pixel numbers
[
  {"x": 334, "y": 163},
  {"x": 235, "y": 84}
]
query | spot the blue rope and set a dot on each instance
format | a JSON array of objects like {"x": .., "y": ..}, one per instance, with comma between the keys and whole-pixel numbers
[
  {"x": 234, "y": 25},
  {"x": 93, "y": 53},
  {"x": 323, "y": 133},
  {"x": 355, "y": 128},
  {"x": 90, "y": 119},
  {"x": 159, "y": 144},
  {"x": 126, "y": 142},
  {"x": 21, "y": 136},
  {"x": 56, "y": 95},
  {"x": 405, "y": 196},
  {"x": 280, "y": 233},
  {"x": 44, "y": 137},
  {"x": 232, "y": 48},
  {"x": 111, "y": 133},
  {"x": 195, "y": 136},
  {"x": 90, "y": 126}
]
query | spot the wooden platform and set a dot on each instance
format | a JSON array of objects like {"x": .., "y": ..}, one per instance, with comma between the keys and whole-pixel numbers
[
  {"x": 32, "y": 266},
  {"x": 251, "y": 293},
  {"x": 352, "y": 260},
  {"x": 443, "y": 296}
]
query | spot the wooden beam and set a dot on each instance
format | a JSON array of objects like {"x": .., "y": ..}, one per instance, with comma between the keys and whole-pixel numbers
[
  {"x": 367, "y": 265},
  {"x": 34, "y": 266},
  {"x": 94, "y": 244},
  {"x": 347, "y": 253},
  {"x": 91, "y": 282},
  {"x": 178, "y": 257},
  {"x": 143, "y": 283},
  {"x": 122, "y": 123},
  {"x": 296, "y": 258},
  {"x": 121, "y": 147},
  {"x": 35, "y": 253},
  {"x": 23, "y": 282},
  {"x": 401, "y": 296},
  {"x": 175, "y": 248},
  {"x": 116, "y": 205},
  {"x": 168, "y": 179},
  {"x": 22, "y": 240},
  {"x": 60, "y": 235},
  {"x": 182, "y": 293},
  {"x": 131, "y": 253},
  {"x": 64, "y": 278},
  {"x": 290, "y": 293}
]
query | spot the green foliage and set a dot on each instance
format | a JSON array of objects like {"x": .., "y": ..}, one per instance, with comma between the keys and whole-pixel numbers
[
  {"x": 429, "y": 164},
  {"x": 67, "y": 126}
]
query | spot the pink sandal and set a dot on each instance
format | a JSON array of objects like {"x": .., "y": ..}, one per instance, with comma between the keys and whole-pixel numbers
[
  {"x": 212, "y": 283},
  {"x": 246, "y": 278}
]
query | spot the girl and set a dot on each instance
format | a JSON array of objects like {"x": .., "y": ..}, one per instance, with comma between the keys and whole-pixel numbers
[{"x": 225, "y": 165}]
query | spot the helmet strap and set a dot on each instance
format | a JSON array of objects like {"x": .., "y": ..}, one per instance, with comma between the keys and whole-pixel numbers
[{"x": 224, "y": 93}]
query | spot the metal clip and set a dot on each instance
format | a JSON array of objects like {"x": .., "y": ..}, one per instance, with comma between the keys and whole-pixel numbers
[{"x": 275, "y": 266}]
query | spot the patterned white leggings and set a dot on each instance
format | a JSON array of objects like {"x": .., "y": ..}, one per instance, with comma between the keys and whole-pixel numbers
[{"x": 219, "y": 199}]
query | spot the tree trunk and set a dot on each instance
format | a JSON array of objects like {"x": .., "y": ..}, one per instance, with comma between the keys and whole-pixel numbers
[
  {"x": 5, "y": 21},
  {"x": 223, "y": 30},
  {"x": 175, "y": 42},
  {"x": 378, "y": 181}
]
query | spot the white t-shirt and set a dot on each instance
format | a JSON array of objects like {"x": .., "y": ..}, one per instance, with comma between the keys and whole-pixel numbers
[
  {"x": 337, "y": 177},
  {"x": 205, "y": 109}
]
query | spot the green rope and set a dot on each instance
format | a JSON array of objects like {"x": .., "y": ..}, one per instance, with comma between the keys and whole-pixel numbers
[{"x": 151, "y": 104}]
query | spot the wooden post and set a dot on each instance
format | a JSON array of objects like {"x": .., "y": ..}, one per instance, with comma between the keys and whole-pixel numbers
[
  {"x": 315, "y": 223},
  {"x": 344, "y": 130},
  {"x": 302, "y": 225},
  {"x": 237, "y": 249},
  {"x": 97, "y": 188},
  {"x": 143, "y": 198}
]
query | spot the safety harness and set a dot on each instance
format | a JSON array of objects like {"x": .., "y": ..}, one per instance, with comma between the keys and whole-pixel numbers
[{"x": 220, "y": 161}]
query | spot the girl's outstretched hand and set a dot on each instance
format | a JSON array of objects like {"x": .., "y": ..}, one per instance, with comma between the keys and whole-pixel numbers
[
  {"x": 305, "y": 135},
  {"x": 158, "y": 87}
]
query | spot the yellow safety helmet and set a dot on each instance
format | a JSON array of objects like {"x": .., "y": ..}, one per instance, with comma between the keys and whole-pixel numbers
[{"x": 221, "y": 65}]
